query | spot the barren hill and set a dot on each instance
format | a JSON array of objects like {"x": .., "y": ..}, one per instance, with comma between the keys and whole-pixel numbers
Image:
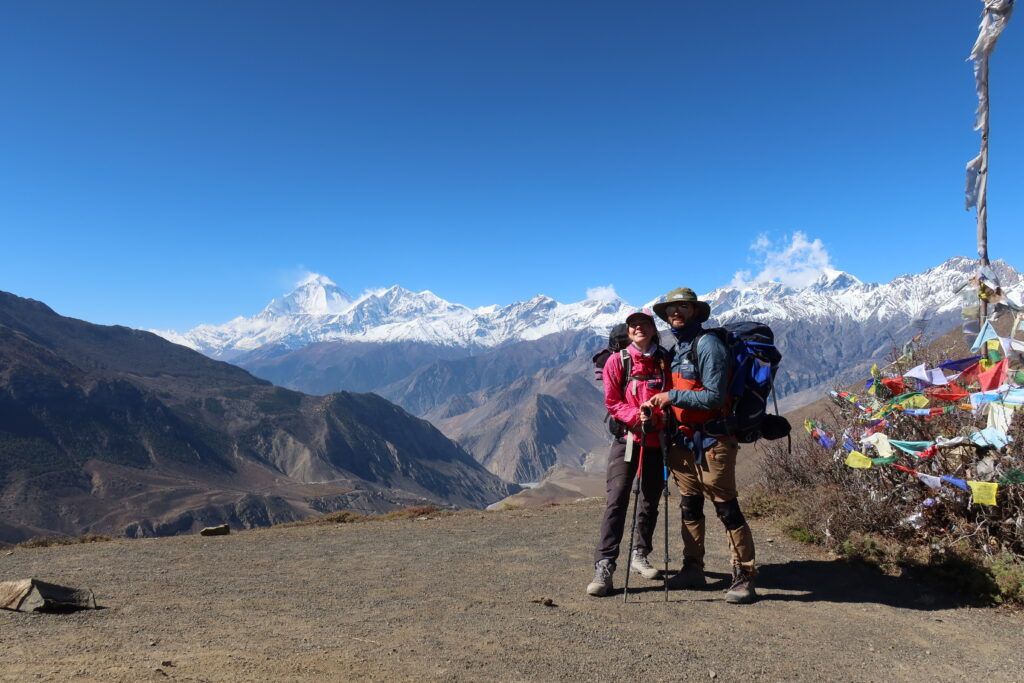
[{"x": 113, "y": 430}]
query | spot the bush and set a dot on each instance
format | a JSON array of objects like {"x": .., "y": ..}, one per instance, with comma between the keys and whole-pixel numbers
[
  {"x": 348, "y": 517},
  {"x": 888, "y": 517},
  {"x": 1008, "y": 573},
  {"x": 47, "y": 541}
]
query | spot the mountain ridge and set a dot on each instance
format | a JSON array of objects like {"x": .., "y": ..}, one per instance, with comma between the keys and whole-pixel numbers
[
  {"x": 113, "y": 430},
  {"x": 306, "y": 315}
]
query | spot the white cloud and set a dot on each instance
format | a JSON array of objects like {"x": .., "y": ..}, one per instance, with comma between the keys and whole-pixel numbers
[
  {"x": 795, "y": 261},
  {"x": 602, "y": 293}
]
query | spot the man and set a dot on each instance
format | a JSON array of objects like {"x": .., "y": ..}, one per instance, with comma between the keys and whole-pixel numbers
[
  {"x": 624, "y": 393},
  {"x": 702, "y": 465}
]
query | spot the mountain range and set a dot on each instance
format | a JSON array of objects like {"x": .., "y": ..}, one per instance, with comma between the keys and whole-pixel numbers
[
  {"x": 114, "y": 430},
  {"x": 318, "y": 311},
  {"x": 512, "y": 384}
]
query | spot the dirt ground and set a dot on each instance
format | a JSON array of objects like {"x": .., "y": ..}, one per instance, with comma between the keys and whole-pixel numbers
[{"x": 461, "y": 598}]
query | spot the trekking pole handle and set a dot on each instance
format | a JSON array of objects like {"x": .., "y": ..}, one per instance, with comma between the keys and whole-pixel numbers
[{"x": 645, "y": 425}]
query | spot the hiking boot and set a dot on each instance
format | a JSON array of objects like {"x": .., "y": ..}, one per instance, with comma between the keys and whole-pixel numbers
[
  {"x": 642, "y": 566},
  {"x": 602, "y": 583},
  {"x": 741, "y": 592},
  {"x": 690, "y": 576}
]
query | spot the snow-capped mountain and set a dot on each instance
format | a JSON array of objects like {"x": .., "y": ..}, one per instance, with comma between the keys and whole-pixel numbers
[
  {"x": 836, "y": 295},
  {"x": 318, "y": 311}
]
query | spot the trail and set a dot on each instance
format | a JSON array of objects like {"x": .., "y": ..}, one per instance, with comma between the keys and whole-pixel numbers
[{"x": 458, "y": 598}]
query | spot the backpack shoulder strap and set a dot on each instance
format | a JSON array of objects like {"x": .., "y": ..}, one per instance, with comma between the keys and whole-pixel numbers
[{"x": 627, "y": 368}]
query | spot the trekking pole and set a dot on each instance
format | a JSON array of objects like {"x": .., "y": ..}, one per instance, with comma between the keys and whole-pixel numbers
[
  {"x": 663, "y": 442},
  {"x": 637, "y": 478}
]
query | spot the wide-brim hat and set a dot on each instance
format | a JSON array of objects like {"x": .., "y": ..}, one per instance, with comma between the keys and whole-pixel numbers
[
  {"x": 679, "y": 295},
  {"x": 640, "y": 315}
]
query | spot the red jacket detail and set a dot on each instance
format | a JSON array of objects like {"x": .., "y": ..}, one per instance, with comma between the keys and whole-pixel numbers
[{"x": 624, "y": 406}]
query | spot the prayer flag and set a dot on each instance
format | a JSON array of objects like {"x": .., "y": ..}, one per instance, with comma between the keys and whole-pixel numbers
[
  {"x": 858, "y": 460},
  {"x": 999, "y": 416},
  {"x": 894, "y": 384},
  {"x": 917, "y": 372},
  {"x": 911, "y": 447},
  {"x": 929, "y": 480},
  {"x": 950, "y": 392},
  {"x": 915, "y": 401},
  {"x": 990, "y": 436},
  {"x": 959, "y": 483},
  {"x": 995, "y": 377},
  {"x": 987, "y": 332},
  {"x": 980, "y": 398},
  {"x": 881, "y": 444},
  {"x": 994, "y": 350},
  {"x": 983, "y": 492},
  {"x": 969, "y": 374},
  {"x": 959, "y": 365}
]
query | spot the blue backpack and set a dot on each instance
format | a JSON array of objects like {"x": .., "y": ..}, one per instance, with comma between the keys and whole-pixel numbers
[{"x": 754, "y": 363}]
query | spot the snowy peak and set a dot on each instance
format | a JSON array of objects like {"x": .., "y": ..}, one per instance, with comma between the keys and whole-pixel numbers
[
  {"x": 317, "y": 310},
  {"x": 315, "y": 295},
  {"x": 840, "y": 296},
  {"x": 833, "y": 280}
]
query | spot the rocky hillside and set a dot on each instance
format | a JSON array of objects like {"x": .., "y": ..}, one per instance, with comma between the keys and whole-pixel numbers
[
  {"x": 115, "y": 430},
  {"x": 518, "y": 409}
]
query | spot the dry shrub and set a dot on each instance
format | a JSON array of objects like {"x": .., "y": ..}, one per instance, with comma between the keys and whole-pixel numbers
[
  {"x": 416, "y": 511},
  {"x": 48, "y": 541},
  {"x": 891, "y": 519},
  {"x": 349, "y": 517}
]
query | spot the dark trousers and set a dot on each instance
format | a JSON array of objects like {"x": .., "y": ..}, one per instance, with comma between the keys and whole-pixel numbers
[{"x": 620, "y": 489}]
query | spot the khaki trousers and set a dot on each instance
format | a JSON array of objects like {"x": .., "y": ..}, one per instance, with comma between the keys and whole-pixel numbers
[{"x": 714, "y": 478}]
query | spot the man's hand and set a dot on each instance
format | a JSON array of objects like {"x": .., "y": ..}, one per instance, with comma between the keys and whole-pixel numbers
[{"x": 659, "y": 401}]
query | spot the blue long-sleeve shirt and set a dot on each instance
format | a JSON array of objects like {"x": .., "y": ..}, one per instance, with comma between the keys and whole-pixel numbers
[{"x": 712, "y": 368}]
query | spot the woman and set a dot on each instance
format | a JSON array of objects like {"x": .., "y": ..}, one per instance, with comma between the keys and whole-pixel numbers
[{"x": 631, "y": 377}]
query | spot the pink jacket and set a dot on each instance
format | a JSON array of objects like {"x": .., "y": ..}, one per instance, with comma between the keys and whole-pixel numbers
[{"x": 625, "y": 406}]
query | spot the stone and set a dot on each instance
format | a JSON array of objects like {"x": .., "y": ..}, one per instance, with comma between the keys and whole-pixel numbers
[{"x": 32, "y": 595}]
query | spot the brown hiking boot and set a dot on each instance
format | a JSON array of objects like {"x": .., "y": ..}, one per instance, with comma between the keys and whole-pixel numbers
[
  {"x": 690, "y": 576},
  {"x": 742, "y": 590}
]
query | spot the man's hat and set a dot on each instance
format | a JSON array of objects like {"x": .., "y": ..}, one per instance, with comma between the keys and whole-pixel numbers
[
  {"x": 644, "y": 314},
  {"x": 683, "y": 294}
]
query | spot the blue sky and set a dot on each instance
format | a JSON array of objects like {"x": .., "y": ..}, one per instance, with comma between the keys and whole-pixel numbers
[{"x": 166, "y": 164}]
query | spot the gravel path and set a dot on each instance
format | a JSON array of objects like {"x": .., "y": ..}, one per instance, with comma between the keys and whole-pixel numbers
[{"x": 452, "y": 598}]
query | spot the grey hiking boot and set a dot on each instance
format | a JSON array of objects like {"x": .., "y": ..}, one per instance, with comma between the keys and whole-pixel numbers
[
  {"x": 742, "y": 590},
  {"x": 642, "y": 566},
  {"x": 602, "y": 583},
  {"x": 690, "y": 576}
]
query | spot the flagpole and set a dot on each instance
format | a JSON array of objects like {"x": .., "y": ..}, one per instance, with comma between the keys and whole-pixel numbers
[
  {"x": 995, "y": 16},
  {"x": 983, "y": 188}
]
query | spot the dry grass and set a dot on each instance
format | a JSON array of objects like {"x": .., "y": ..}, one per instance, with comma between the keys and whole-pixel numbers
[
  {"x": 348, "y": 517},
  {"x": 48, "y": 541}
]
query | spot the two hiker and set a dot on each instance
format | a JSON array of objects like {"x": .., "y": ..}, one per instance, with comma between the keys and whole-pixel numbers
[{"x": 702, "y": 466}]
